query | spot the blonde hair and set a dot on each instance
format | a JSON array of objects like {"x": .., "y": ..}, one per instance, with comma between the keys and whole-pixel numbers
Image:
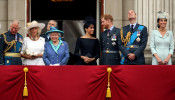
[{"x": 38, "y": 34}]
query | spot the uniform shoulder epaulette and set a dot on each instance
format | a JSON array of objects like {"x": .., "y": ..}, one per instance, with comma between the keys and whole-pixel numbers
[
  {"x": 142, "y": 25},
  {"x": 3, "y": 33},
  {"x": 20, "y": 35}
]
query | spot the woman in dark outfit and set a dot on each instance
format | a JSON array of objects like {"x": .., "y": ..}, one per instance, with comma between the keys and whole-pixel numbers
[{"x": 88, "y": 45}]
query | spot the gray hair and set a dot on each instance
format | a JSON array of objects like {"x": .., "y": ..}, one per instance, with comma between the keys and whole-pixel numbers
[
  {"x": 59, "y": 34},
  {"x": 55, "y": 22},
  {"x": 14, "y": 22}
]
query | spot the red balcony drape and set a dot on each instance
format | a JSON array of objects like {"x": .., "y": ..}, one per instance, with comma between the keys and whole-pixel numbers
[{"x": 128, "y": 82}]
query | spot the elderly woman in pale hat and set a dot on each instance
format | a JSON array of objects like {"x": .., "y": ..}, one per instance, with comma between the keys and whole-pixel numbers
[
  {"x": 33, "y": 46},
  {"x": 56, "y": 51},
  {"x": 162, "y": 42}
]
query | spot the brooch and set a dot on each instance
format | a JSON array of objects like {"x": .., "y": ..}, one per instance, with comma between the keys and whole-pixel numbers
[
  {"x": 21, "y": 40},
  {"x": 167, "y": 34}
]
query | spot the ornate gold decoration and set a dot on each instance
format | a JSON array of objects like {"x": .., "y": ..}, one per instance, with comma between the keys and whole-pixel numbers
[
  {"x": 7, "y": 61},
  {"x": 10, "y": 44},
  {"x": 25, "y": 91},
  {"x": 127, "y": 39},
  {"x": 108, "y": 93}
]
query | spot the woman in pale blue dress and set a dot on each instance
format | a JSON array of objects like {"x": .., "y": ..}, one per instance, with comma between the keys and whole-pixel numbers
[{"x": 162, "y": 42}]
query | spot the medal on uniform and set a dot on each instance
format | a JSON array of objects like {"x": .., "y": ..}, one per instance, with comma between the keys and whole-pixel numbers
[
  {"x": 19, "y": 49},
  {"x": 138, "y": 34},
  {"x": 7, "y": 61},
  {"x": 62, "y": 44},
  {"x": 138, "y": 39},
  {"x": 113, "y": 43},
  {"x": 20, "y": 40},
  {"x": 108, "y": 35},
  {"x": 114, "y": 37}
]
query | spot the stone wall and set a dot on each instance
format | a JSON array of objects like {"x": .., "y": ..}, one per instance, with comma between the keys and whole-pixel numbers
[{"x": 11, "y": 10}]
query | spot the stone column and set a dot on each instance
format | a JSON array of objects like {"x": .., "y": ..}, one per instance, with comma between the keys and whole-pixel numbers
[
  {"x": 147, "y": 15},
  {"x": 114, "y": 7},
  {"x": 4, "y": 15},
  {"x": 173, "y": 18},
  {"x": 16, "y": 11}
]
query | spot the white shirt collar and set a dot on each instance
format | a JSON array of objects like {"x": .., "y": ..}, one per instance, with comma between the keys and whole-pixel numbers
[
  {"x": 133, "y": 24},
  {"x": 111, "y": 28}
]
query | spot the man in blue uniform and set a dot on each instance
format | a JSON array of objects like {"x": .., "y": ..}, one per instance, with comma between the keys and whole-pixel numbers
[
  {"x": 108, "y": 41},
  {"x": 10, "y": 44},
  {"x": 132, "y": 41},
  {"x": 51, "y": 23}
]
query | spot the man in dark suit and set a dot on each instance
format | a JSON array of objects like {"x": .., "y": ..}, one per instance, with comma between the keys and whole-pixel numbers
[
  {"x": 108, "y": 41},
  {"x": 132, "y": 41},
  {"x": 51, "y": 23}
]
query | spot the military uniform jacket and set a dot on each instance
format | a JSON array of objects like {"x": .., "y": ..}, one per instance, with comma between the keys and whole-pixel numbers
[
  {"x": 139, "y": 51},
  {"x": 109, "y": 43},
  {"x": 7, "y": 41},
  {"x": 45, "y": 36}
]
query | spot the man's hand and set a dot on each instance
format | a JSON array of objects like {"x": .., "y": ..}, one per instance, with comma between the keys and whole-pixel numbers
[{"x": 131, "y": 56}]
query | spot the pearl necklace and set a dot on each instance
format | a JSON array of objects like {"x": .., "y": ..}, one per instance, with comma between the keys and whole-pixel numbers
[{"x": 34, "y": 39}]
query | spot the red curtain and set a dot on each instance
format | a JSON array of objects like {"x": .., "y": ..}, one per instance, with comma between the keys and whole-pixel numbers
[{"x": 129, "y": 82}]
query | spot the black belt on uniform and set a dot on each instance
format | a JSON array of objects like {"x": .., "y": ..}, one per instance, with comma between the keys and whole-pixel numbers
[
  {"x": 110, "y": 51},
  {"x": 132, "y": 46}
]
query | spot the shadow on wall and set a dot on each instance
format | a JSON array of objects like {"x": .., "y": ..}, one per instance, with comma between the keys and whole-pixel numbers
[{"x": 72, "y": 30}]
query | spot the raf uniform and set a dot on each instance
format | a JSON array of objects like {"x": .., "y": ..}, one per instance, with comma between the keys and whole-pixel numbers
[
  {"x": 109, "y": 47},
  {"x": 10, "y": 49},
  {"x": 45, "y": 36},
  {"x": 133, "y": 40}
]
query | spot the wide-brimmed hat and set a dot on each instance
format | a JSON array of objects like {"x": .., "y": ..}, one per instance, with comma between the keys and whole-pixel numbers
[
  {"x": 162, "y": 15},
  {"x": 54, "y": 29},
  {"x": 34, "y": 24}
]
